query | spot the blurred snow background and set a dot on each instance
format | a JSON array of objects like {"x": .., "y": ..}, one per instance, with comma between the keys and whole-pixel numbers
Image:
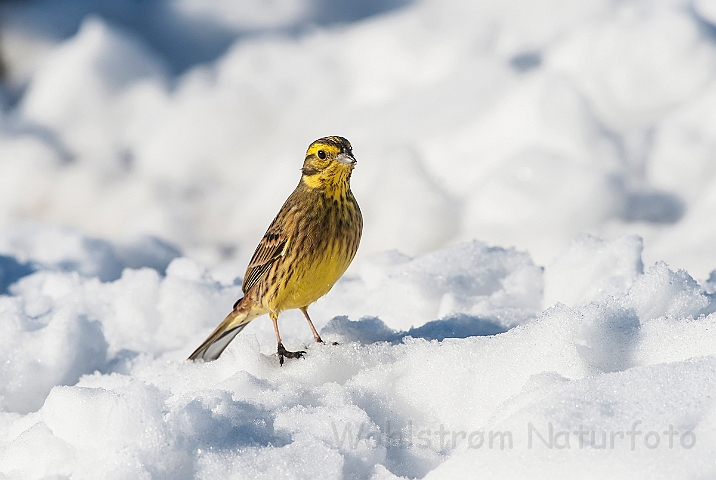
[{"x": 544, "y": 171}]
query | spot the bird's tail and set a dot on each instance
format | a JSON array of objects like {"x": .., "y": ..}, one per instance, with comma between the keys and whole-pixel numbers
[{"x": 225, "y": 333}]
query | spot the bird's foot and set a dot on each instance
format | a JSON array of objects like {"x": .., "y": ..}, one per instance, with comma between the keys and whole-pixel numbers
[
  {"x": 282, "y": 352},
  {"x": 320, "y": 340}
]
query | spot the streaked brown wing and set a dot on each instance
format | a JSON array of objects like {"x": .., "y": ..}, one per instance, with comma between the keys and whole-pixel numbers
[{"x": 271, "y": 248}]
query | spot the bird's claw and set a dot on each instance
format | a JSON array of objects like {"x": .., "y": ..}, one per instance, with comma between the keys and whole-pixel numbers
[{"x": 282, "y": 352}]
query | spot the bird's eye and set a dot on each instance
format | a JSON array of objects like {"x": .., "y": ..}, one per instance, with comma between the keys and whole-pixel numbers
[{"x": 321, "y": 154}]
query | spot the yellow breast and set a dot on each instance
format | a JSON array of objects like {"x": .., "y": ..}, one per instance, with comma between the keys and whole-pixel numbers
[
  {"x": 313, "y": 279},
  {"x": 320, "y": 248}
]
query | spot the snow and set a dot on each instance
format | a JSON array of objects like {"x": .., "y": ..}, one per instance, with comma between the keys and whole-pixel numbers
[{"x": 534, "y": 295}]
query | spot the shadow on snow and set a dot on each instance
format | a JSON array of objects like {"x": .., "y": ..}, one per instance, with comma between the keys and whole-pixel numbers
[{"x": 371, "y": 329}]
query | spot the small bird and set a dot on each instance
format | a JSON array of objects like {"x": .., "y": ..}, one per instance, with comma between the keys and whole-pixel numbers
[{"x": 305, "y": 250}]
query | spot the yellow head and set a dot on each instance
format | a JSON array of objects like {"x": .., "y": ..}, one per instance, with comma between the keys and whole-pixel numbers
[{"x": 328, "y": 164}]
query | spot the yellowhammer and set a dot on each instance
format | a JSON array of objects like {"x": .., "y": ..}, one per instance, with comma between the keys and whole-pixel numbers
[{"x": 305, "y": 250}]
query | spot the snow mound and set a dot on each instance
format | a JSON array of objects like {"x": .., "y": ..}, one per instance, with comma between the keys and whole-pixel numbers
[
  {"x": 468, "y": 121},
  {"x": 95, "y": 370}
]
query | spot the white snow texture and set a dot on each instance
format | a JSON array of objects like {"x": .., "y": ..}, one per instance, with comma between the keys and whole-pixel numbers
[{"x": 534, "y": 295}]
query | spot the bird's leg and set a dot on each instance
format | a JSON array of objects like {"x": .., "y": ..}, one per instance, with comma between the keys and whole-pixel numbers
[
  {"x": 316, "y": 336},
  {"x": 282, "y": 352}
]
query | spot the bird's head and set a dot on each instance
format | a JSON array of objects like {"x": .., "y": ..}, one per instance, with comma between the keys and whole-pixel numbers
[{"x": 329, "y": 162}]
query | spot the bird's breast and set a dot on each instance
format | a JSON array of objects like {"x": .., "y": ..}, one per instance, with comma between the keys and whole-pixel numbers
[{"x": 322, "y": 251}]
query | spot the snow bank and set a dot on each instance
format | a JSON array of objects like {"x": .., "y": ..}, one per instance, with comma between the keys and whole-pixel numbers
[
  {"x": 469, "y": 121},
  {"x": 397, "y": 396}
]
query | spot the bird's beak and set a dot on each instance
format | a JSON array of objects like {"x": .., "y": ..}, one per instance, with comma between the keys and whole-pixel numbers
[{"x": 346, "y": 158}]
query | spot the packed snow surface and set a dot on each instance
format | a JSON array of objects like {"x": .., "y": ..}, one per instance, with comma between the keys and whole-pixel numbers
[{"x": 534, "y": 296}]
